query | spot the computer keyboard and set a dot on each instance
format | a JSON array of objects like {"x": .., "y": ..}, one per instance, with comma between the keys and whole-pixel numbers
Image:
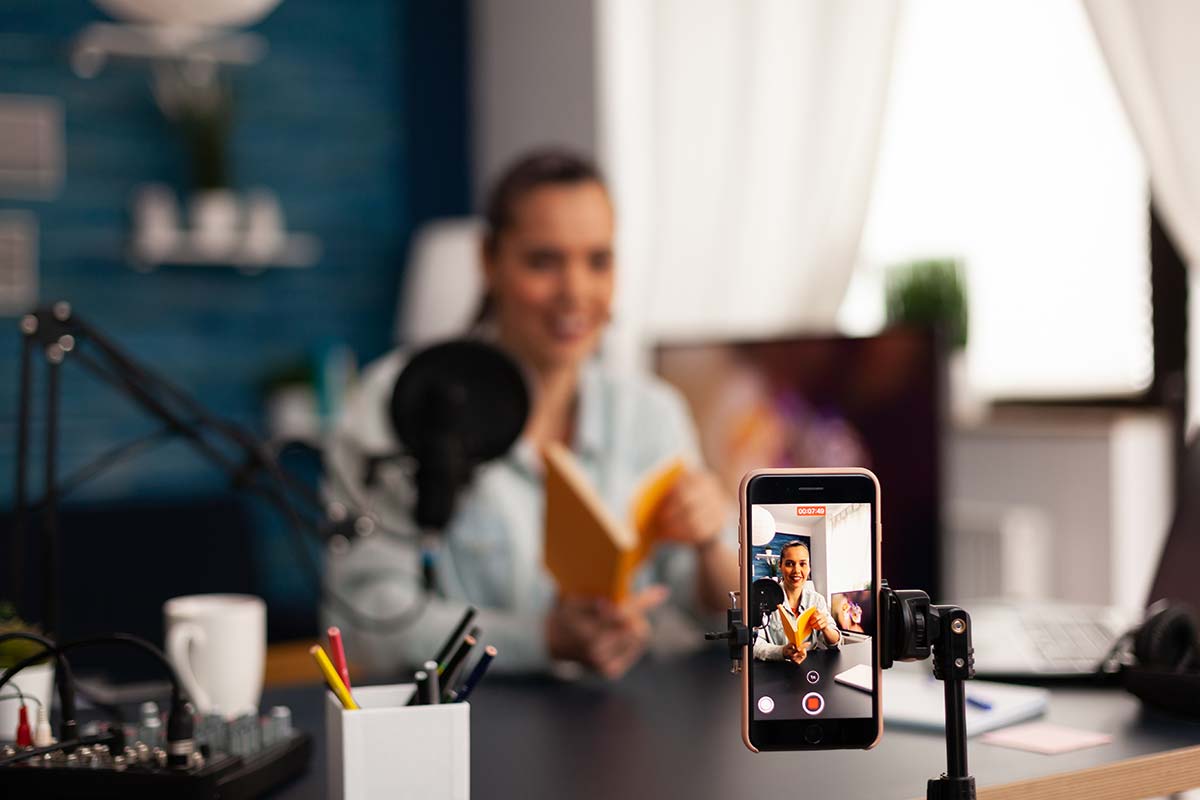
[{"x": 1076, "y": 644}]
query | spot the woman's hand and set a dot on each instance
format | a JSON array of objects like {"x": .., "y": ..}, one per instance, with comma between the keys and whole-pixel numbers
[
  {"x": 606, "y": 638},
  {"x": 694, "y": 511},
  {"x": 794, "y": 654},
  {"x": 824, "y": 623}
]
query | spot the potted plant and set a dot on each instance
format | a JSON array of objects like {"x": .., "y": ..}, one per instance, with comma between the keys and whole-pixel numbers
[
  {"x": 932, "y": 293},
  {"x": 201, "y": 110}
]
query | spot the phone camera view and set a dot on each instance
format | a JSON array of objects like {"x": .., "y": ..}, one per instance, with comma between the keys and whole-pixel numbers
[{"x": 812, "y": 608}]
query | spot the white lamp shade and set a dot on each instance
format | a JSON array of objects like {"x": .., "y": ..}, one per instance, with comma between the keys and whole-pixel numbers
[
  {"x": 207, "y": 13},
  {"x": 762, "y": 526}
]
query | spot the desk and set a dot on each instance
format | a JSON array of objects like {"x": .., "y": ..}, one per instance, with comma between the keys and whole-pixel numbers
[
  {"x": 786, "y": 683},
  {"x": 672, "y": 729}
]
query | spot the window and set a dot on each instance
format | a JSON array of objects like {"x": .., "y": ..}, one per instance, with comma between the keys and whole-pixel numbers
[{"x": 1005, "y": 144}]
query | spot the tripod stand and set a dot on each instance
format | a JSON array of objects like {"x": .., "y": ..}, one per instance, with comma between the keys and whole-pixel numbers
[{"x": 911, "y": 629}]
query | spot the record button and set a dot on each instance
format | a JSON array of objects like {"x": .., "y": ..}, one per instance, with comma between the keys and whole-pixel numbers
[{"x": 813, "y": 703}]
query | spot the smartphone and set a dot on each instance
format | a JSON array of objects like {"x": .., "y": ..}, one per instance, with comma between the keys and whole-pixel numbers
[{"x": 809, "y": 560}]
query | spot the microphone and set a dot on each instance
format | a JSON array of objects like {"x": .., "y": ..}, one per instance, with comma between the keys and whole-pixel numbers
[
  {"x": 765, "y": 596},
  {"x": 456, "y": 405}
]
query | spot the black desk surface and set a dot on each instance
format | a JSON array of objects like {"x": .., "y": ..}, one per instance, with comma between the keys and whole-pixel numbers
[
  {"x": 672, "y": 729},
  {"x": 787, "y": 683}
]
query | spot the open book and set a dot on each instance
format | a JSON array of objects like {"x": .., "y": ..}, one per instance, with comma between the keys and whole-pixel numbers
[
  {"x": 588, "y": 550},
  {"x": 805, "y": 624}
]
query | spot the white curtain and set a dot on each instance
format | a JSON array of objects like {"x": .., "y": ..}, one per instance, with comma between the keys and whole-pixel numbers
[
  {"x": 1151, "y": 49},
  {"x": 740, "y": 141}
]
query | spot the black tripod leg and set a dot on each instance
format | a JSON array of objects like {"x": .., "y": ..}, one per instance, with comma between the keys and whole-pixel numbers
[{"x": 956, "y": 730}]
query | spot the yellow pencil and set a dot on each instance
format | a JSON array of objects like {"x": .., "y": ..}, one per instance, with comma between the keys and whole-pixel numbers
[{"x": 331, "y": 677}]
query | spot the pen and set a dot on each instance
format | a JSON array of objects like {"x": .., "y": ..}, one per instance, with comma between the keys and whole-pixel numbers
[
  {"x": 428, "y": 692},
  {"x": 476, "y": 675},
  {"x": 450, "y": 668},
  {"x": 979, "y": 703},
  {"x": 455, "y": 637},
  {"x": 338, "y": 655},
  {"x": 331, "y": 677}
]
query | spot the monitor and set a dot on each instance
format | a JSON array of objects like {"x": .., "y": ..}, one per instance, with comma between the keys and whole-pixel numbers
[{"x": 828, "y": 401}]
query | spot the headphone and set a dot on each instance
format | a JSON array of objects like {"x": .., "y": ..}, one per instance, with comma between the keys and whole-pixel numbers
[{"x": 1164, "y": 668}]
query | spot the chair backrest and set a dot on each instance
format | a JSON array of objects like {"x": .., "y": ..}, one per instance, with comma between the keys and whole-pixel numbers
[{"x": 443, "y": 281}]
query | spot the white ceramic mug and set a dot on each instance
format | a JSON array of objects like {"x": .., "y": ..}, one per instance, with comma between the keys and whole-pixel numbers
[{"x": 218, "y": 643}]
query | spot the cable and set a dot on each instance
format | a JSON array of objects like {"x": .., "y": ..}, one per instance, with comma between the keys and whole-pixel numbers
[
  {"x": 180, "y": 722},
  {"x": 111, "y": 710},
  {"x": 178, "y": 697},
  {"x": 103, "y": 738},
  {"x": 342, "y": 484},
  {"x": 18, "y": 696},
  {"x": 108, "y": 459},
  {"x": 21, "y": 697},
  {"x": 64, "y": 679},
  {"x": 357, "y": 618}
]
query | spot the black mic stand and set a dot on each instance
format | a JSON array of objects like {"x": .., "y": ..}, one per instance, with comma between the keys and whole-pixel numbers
[
  {"x": 454, "y": 406},
  {"x": 911, "y": 629},
  {"x": 59, "y": 334}
]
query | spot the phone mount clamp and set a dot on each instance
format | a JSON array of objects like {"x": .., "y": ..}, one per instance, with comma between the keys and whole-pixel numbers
[
  {"x": 911, "y": 629},
  {"x": 736, "y": 632}
]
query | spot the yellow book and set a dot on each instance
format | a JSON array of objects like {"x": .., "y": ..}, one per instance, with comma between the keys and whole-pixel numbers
[
  {"x": 588, "y": 550},
  {"x": 805, "y": 625}
]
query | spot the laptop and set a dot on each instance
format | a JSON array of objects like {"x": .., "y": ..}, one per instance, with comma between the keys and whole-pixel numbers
[{"x": 1058, "y": 640}]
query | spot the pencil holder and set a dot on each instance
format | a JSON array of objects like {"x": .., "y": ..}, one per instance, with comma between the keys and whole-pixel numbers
[{"x": 389, "y": 749}]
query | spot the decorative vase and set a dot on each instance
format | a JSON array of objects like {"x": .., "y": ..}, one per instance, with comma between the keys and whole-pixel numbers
[{"x": 215, "y": 216}]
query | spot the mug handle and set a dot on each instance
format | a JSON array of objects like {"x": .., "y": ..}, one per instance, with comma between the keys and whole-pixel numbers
[{"x": 180, "y": 639}]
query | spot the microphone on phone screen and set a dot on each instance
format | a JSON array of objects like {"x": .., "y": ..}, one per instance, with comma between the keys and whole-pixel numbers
[{"x": 765, "y": 596}]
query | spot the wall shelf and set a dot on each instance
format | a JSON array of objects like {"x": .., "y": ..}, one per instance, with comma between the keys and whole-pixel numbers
[{"x": 226, "y": 230}]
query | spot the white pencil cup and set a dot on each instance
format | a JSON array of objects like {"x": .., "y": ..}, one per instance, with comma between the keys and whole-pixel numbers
[{"x": 389, "y": 749}]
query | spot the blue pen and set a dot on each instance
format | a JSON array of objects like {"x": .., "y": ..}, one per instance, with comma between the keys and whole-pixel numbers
[
  {"x": 476, "y": 675},
  {"x": 982, "y": 705}
]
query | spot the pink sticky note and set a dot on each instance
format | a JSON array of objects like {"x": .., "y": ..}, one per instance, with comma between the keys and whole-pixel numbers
[{"x": 1044, "y": 737}]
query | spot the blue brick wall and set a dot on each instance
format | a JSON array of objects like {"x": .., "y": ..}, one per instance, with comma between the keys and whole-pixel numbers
[{"x": 356, "y": 119}]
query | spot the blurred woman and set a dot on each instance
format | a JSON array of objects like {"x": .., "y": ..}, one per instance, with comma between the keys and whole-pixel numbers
[
  {"x": 549, "y": 269},
  {"x": 799, "y": 596}
]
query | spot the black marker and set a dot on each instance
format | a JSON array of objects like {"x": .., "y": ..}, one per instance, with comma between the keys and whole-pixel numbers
[
  {"x": 476, "y": 675},
  {"x": 451, "y": 667},
  {"x": 455, "y": 637},
  {"x": 427, "y": 687}
]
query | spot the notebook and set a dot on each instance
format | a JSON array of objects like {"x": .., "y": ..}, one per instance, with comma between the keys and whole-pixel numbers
[
  {"x": 588, "y": 550},
  {"x": 805, "y": 624},
  {"x": 859, "y": 676},
  {"x": 912, "y": 698}
]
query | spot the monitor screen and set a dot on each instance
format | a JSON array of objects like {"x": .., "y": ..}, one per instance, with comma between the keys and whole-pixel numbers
[{"x": 828, "y": 402}]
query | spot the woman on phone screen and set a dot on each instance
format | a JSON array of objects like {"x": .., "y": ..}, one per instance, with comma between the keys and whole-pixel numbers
[{"x": 799, "y": 595}]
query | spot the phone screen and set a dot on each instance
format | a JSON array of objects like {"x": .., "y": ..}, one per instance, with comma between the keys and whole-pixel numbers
[{"x": 812, "y": 574}]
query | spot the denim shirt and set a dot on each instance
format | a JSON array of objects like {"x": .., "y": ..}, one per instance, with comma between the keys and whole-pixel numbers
[
  {"x": 491, "y": 553},
  {"x": 769, "y": 644}
]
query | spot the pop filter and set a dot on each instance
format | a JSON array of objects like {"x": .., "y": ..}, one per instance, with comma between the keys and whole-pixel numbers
[
  {"x": 765, "y": 596},
  {"x": 456, "y": 405}
]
